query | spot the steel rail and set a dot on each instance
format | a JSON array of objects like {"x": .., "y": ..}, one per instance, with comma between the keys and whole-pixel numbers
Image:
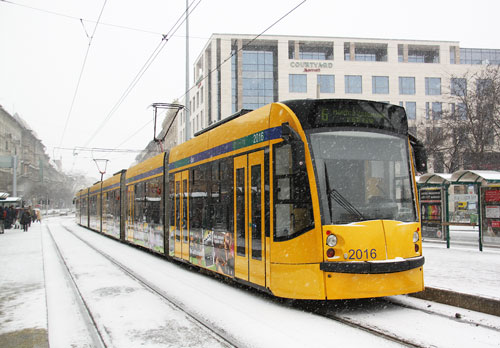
[
  {"x": 220, "y": 334},
  {"x": 86, "y": 314}
]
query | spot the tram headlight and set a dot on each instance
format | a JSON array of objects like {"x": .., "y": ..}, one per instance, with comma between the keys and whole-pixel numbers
[
  {"x": 331, "y": 240},
  {"x": 415, "y": 237}
]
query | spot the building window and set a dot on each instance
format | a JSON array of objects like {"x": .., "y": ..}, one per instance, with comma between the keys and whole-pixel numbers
[
  {"x": 347, "y": 51},
  {"x": 406, "y": 85},
  {"x": 423, "y": 54},
  {"x": 315, "y": 50},
  {"x": 353, "y": 84},
  {"x": 326, "y": 83},
  {"x": 479, "y": 56},
  {"x": 400, "y": 53},
  {"x": 380, "y": 84},
  {"x": 291, "y": 49},
  {"x": 234, "y": 78},
  {"x": 433, "y": 86},
  {"x": 453, "y": 50},
  {"x": 297, "y": 83},
  {"x": 458, "y": 86},
  {"x": 257, "y": 78},
  {"x": 370, "y": 52},
  {"x": 437, "y": 110},
  {"x": 459, "y": 111},
  {"x": 411, "y": 110}
]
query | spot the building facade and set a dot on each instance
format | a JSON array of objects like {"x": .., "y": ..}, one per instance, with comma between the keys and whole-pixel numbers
[
  {"x": 236, "y": 72},
  {"x": 37, "y": 178}
]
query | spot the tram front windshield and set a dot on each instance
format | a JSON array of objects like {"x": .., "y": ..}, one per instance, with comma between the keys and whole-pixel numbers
[{"x": 363, "y": 176}]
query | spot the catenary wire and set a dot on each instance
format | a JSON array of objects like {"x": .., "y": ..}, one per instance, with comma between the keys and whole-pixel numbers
[
  {"x": 227, "y": 59},
  {"x": 145, "y": 67},
  {"x": 68, "y": 117},
  {"x": 81, "y": 19}
]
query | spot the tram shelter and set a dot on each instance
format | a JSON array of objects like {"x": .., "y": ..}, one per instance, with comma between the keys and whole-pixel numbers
[
  {"x": 481, "y": 193},
  {"x": 434, "y": 212},
  {"x": 487, "y": 185}
]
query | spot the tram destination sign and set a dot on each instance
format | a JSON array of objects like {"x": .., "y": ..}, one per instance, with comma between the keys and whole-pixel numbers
[{"x": 350, "y": 113}]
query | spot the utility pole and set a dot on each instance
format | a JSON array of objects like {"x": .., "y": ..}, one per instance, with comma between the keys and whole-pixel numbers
[{"x": 187, "y": 128}]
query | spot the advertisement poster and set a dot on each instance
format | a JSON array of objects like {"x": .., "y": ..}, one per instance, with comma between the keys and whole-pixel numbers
[
  {"x": 431, "y": 210},
  {"x": 491, "y": 215}
]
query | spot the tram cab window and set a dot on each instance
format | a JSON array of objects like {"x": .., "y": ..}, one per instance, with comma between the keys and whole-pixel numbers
[{"x": 293, "y": 206}]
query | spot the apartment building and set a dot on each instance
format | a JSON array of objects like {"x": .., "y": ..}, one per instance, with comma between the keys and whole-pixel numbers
[{"x": 238, "y": 71}]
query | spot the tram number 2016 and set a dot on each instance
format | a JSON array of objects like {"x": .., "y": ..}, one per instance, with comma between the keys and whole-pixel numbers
[
  {"x": 258, "y": 137},
  {"x": 362, "y": 254}
]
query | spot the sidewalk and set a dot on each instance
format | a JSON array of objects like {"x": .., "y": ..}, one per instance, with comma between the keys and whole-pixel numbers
[
  {"x": 462, "y": 275},
  {"x": 23, "y": 309}
]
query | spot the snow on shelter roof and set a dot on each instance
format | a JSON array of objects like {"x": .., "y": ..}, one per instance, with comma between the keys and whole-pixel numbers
[
  {"x": 473, "y": 176},
  {"x": 434, "y": 178}
]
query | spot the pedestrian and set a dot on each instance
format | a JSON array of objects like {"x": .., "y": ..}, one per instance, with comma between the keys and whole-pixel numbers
[
  {"x": 3, "y": 214},
  {"x": 25, "y": 219}
]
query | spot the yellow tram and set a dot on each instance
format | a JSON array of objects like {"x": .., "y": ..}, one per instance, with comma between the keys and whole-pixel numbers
[{"x": 305, "y": 199}]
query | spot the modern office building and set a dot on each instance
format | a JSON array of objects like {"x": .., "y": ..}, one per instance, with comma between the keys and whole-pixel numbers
[{"x": 235, "y": 71}]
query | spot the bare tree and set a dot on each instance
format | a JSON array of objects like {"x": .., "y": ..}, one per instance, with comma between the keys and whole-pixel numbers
[{"x": 464, "y": 134}]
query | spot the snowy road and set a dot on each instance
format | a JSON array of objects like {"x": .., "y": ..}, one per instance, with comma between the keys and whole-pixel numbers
[{"x": 131, "y": 315}]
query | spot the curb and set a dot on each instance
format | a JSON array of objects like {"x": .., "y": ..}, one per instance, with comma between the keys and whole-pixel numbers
[{"x": 452, "y": 298}]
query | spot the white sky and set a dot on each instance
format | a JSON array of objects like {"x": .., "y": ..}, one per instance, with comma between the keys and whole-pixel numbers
[{"x": 42, "y": 54}]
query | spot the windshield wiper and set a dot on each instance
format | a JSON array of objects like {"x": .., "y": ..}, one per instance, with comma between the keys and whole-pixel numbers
[{"x": 341, "y": 200}]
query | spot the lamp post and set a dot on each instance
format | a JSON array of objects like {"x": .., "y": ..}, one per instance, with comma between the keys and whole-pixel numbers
[{"x": 101, "y": 164}]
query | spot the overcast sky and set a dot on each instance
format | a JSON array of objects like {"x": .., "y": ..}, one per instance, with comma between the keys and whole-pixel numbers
[{"x": 43, "y": 45}]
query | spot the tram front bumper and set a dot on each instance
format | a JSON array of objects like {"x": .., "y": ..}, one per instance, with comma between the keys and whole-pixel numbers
[
  {"x": 373, "y": 267},
  {"x": 361, "y": 279}
]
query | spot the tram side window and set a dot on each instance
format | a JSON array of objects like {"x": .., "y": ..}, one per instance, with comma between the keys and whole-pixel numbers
[
  {"x": 198, "y": 203},
  {"x": 153, "y": 201},
  {"x": 226, "y": 169},
  {"x": 292, "y": 195},
  {"x": 220, "y": 195},
  {"x": 139, "y": 202},
  {"x": 171, "y": 183}
]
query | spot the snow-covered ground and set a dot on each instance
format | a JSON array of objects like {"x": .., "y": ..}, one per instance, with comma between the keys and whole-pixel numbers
[{"x": 28, "y": 262}]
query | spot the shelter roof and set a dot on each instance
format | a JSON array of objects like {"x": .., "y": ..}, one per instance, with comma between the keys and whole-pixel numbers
[
  {"x": 434, "y": 178},
  {"x": 475, "y": 176}
]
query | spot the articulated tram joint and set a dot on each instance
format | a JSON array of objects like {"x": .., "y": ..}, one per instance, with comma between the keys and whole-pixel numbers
[{"x": 373, "y": 267}]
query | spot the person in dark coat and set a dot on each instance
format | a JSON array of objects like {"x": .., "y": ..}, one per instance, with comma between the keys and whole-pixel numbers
[
  {"x": 25, "y": 219},
  {"x": 3, "y": 214}
]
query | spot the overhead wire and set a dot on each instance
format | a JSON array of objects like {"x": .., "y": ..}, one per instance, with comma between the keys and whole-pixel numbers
[
  {"x": 81, "y": 19},
  {"x": 146, "y": 66},
  {"x": 68, "y": 117},
  {"x": 218, "y": 66}
]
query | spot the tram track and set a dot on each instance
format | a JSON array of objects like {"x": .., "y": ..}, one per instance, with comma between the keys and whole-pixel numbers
[
  {"x": 85, "y": 312},
  {"x": 360, "y": 314},
  {"x": 225, "y": 338},
  {"x": 357, "y": 314},
  {"x": 327, "y": 312}
]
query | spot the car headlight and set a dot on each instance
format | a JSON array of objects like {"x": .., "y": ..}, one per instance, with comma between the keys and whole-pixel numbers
[
  {"x": 331, "y": 240},
  {"x": 415, "y": 237}
]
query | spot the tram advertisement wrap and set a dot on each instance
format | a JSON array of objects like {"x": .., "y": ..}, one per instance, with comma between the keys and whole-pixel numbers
[
  {"x": 491, "y": 215},
  {"x": 431, "y": 208},
  {"x": 213, "y": 250}
]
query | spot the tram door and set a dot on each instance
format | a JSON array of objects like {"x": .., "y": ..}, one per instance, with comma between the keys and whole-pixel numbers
[
  {"x": 249, "y": 220},
  {"x": 130, "y": 213},
  {"x": 181, "y": 215}
]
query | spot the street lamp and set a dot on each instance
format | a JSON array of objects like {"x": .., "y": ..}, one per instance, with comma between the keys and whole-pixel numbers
[{"x": 101, "y": 164}]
